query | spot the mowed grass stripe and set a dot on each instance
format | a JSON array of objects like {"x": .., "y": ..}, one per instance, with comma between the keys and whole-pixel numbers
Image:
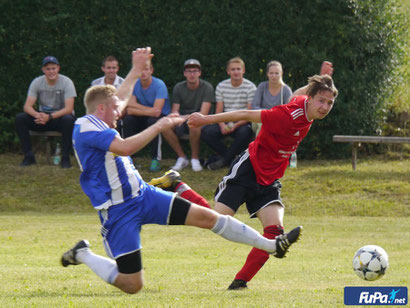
[{"x": 379, "y": 187}]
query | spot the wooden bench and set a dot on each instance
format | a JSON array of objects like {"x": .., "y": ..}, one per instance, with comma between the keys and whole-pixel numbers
[
  {"x": 48, "y": 135},
  {"x": 356, "y": 142}
]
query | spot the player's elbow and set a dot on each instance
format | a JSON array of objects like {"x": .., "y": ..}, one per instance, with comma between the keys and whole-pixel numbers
[
  {"x": 125, "y": 151},
  {"x": 121, "y": 147}
]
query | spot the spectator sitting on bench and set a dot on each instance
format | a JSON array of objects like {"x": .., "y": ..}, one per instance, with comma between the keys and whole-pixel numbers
[
  {"x": 55, "y": 94},
  {"x": 235, "y": 93},
  {"x": 189, "y": 96},
  {"x": 110, "y": 68},
  {"x": 149, "y": 102},
  {"x": 271, "y": 93}
]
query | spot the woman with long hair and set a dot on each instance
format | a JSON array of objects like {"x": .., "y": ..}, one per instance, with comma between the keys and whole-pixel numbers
[{"x": 273, "y": 92}]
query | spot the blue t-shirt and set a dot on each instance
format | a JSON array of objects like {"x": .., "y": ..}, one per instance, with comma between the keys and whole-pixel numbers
[
  {"x": 156, "y": 90},
  {"x": 107, "y": 179}
]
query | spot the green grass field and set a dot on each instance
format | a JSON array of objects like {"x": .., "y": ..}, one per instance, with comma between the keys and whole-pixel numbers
[{"x": 43, "y": 212}]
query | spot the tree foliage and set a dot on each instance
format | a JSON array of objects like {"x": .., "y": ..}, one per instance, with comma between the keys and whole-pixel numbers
[{"x": 361, "y": 37}]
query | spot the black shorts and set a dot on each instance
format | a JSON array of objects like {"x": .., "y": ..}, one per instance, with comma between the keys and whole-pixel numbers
[
  {"x": 240, "y": 186},
  {"x": 181, "y": 130}
]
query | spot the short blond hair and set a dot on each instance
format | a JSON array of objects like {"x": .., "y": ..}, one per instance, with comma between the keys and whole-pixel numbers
[
  {"x": 97, "y": 95},
  {"x": 235, "y": 60}
]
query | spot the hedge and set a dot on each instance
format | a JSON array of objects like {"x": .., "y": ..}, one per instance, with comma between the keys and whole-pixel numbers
[{"x": 362, "y": 39}]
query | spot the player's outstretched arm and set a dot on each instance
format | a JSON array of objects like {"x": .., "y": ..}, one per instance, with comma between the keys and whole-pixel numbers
[
  {"x": 140, "y": 56},
  {"x": 130, "y": 145},
  {"x": 197, "y": 119}
]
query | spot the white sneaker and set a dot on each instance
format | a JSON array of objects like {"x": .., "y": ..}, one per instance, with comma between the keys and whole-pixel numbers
[
  {"x": 196, "y": 165},
  {"x": 181, "y": 163}
]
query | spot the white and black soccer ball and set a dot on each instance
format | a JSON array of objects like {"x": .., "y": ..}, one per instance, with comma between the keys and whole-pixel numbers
[{"x": 370, "y": 262}]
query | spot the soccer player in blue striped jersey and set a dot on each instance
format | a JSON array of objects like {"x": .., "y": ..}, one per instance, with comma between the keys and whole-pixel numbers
[{"x": 124, "y": 201}]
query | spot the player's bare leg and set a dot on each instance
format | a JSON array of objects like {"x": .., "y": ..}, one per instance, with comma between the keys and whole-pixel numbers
[
  {"x": 223, "y": 209},
  {"x": 130, "y": 283}
]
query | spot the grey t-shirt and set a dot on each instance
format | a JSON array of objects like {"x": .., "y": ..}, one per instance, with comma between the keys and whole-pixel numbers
[
  {"x": 191, "y": 100},
  {"x": 264, "y": 100},
  {"x": 51, "y": 98}
]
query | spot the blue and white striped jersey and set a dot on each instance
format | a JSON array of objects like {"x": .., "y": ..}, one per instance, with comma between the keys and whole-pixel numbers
[{"x": 107, "y": 179}]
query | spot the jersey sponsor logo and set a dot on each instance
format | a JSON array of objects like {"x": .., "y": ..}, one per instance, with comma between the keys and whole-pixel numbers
[
  {"x": 285, "y": 152},
  {"x": 297, "y": 113}
]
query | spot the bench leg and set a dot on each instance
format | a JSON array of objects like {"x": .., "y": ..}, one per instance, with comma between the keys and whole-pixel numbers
[
  {"x": 48, "y": 150},
  {"x": 354, "y": 155}
]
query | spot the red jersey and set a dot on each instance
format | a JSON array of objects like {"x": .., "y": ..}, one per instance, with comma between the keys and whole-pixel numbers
[{"x": 283, "y": 128}]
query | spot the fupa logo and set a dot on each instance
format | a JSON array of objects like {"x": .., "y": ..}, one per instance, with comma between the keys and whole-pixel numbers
[{"x": 376, "y": 296}]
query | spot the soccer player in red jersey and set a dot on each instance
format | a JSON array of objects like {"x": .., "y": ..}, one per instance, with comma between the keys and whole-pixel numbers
[{"x": 254, "y": 176}]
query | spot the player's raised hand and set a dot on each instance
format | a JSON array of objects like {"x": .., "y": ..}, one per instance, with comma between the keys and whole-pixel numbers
[
  {"x": 140, "y": 57},
  {"x": 326, "y": 68}
]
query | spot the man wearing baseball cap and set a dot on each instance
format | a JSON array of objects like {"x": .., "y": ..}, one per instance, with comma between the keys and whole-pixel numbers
[
  {"x": 54, "y": 94},
  {"x": 189, "y": 96}
]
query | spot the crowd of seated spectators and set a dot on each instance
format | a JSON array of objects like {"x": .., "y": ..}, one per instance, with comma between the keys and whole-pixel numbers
[{"x": 54, "y": 95}]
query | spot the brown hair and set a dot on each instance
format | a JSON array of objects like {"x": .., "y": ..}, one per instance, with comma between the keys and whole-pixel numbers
[
  {"x": 318, "y": 83},
  {"x": 97, "y": 95},
  {"x": 109, "y": 59},
  {"x": 235, "y": 60}
]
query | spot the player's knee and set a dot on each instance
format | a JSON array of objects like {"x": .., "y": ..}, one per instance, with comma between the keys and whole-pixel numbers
[
  {"x": 130, "y": 280},
  {"x": 133, "y": 287},
  {"x": 206, "y": 217}
]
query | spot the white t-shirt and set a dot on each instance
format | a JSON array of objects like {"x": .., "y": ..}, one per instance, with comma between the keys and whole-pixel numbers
[{"x": 100, "y": 81}]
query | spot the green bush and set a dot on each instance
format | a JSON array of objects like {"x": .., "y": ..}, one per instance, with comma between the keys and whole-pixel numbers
[{"x": 362, "y": 39}]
